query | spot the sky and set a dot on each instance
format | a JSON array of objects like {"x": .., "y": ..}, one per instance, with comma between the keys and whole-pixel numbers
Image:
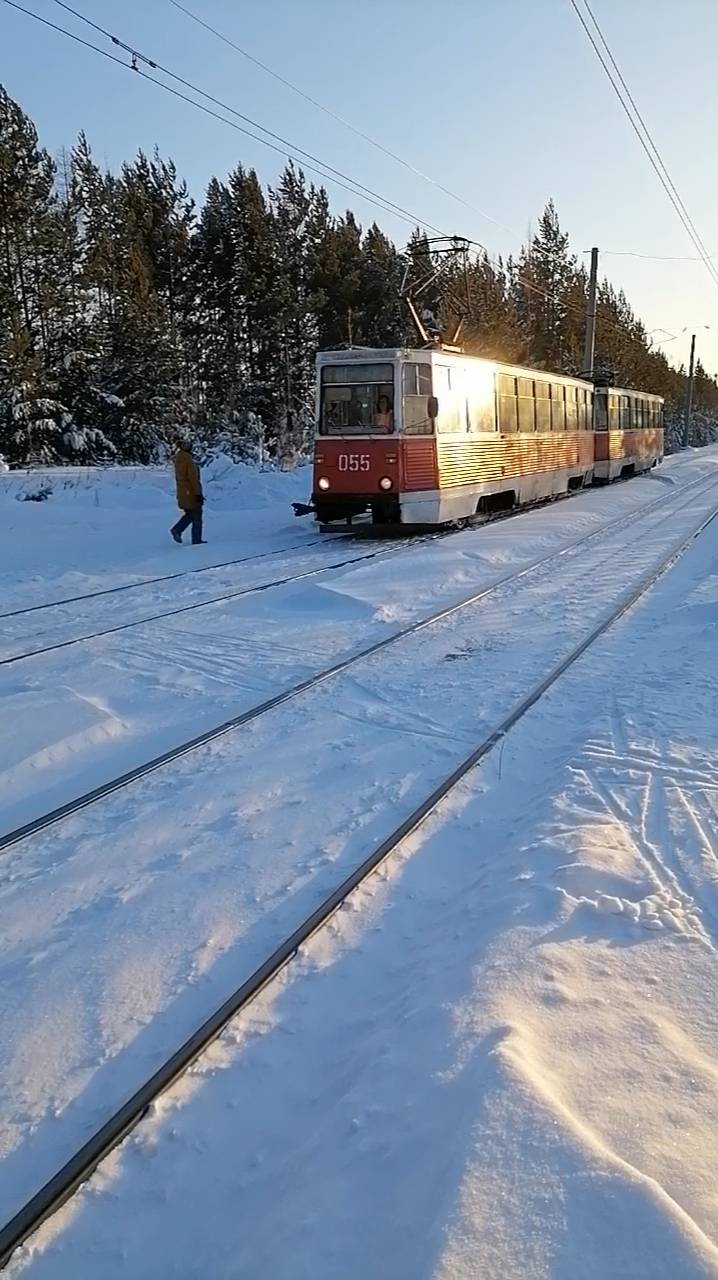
[{"x": 502, "y": 102}]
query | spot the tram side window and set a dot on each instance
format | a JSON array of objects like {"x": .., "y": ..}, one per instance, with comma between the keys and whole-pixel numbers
[
  {"x": 527, "y": 416},
  {"x": 581, "y": 402},
  {"x": 639, "y": 414},
  {"x": 613, "y": 420},
  {"x": 481, "y": 398},
  {"x": 543, "y": 406},
  {"x": 571, "y": 409},
  {"x": 449, "y": 390},
  {"x": 508, "y": 419},
  {"x": 584, "y": 409},
  {"x": 416, "y": 389},
  {"x": 558, "y": 407},
  {"x": 625, "y": 412}
]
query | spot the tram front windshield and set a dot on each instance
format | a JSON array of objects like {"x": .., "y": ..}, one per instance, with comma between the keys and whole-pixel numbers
[{"x": 357, "y": 399}]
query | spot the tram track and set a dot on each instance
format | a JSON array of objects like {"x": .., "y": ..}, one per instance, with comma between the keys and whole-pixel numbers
[
  {"x": 286, "y": 580},
  {"x": 165, "y": 577},
  {"x": 254, "y": 589},
  {"x": 58, "y": 1190},
  {"x": 251, "y": 714}
]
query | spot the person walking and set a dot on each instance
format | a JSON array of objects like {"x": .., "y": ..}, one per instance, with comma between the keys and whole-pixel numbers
[{"x": 189, "y": 494}]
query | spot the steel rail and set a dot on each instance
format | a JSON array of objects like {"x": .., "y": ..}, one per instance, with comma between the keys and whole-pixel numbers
[
  {"x": 36, "y": 825},
  {"x": 165, "y": 577},
  {"x": 202, "y": 604},
  {"x": 145, "y": 582},
  {"x": 80, "y": 1167}
]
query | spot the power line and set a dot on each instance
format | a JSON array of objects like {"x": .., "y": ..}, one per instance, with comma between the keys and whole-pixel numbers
[
  {"x": 334, "y": 115},
  {"x": 386, "y": 204},
  {"x": 647, "y": 143},
  {"x": 406, "y": 164},
  {"x": 650, "y": 257},
  {"x": 644, "y": 126},
  {"x": 306, "y": 155},
  {"x": 326, "y": 172}
]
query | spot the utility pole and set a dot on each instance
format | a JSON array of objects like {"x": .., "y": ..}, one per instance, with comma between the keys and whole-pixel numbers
[
  {"x": 590, "y": 343},
  {"x": 689, "y": 396}
]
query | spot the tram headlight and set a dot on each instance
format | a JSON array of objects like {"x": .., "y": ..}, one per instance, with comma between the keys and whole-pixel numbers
[
  {"x": 323, "y": 484},
  {"x": 385, "y": 483}
]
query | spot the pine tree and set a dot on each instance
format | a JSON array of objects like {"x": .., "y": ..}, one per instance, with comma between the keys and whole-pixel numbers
[
  {"x": 542, "y": 292},
  {"x": 492, "y": 327},
  {"x": 29, "y": 277},
  {"x": 337, "y": 273},
  {"x": 381, "y": 270},
  {"x": 297, "y": 222}
]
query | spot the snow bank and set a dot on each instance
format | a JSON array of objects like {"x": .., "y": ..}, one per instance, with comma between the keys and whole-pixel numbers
[
  {"x": 228, "y": 485},
  {"x": 101, "y": 526}
]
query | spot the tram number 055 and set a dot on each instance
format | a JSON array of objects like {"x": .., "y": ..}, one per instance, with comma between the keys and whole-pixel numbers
[{"x": 353, "y": 462}]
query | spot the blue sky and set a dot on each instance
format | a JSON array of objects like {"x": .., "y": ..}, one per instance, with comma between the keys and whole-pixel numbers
[{"x": 502, "y": 101}]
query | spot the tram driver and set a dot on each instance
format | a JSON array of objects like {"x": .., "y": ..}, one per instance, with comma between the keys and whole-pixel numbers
[{"x": 383, "y": 415}]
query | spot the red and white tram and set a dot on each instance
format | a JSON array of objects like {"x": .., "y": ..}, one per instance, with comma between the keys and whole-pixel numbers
[
  {"x": 428, "y": 437},
  {"x": 628, "y": 429}
]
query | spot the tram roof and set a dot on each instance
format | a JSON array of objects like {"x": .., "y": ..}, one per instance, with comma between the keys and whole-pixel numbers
[
  {"x": 632, "y": 391},
  {"x": 357, "y": 355}
]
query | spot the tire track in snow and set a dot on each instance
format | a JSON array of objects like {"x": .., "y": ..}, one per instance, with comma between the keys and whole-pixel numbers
[{"x": 635, "y": 804}]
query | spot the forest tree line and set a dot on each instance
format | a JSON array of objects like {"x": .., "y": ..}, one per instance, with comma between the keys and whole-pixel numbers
[{"x": 127, "y": 311}]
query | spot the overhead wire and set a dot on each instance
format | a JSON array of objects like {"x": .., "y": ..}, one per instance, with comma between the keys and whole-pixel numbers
[
  {"x": 644, "y": 126},
  {"x": 225, "y": 106},
  {"x": 326, "y": 172},
  {"x": 650, "y": 257},
  {"x": 347, "y": 124},
  {"x": 334, "y": 115},
  {"x": 647, "y": 143},
  {"x": 361, "y": 190}
]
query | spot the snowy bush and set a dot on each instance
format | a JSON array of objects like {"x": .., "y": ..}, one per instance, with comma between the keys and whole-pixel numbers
[
  {"x": 88, "y": 443},
  {"x": 704, "y": 428},
  {"x": 39, "y": 494}
]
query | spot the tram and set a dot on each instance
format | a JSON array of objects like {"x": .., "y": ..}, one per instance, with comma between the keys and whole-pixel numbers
[
  {"x": 628, "y": 428},
  {"x": 422, "y": 438}
]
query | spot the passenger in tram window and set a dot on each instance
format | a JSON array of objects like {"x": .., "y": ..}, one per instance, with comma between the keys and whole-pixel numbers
[{"x": 383, "y": 416}]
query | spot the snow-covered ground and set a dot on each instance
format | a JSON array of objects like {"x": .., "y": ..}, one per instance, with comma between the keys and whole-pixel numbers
[
  {"x": 102, "y": 527},
  {"x": 79, "y": 716},
  {"x": 501, "y": 1060}
]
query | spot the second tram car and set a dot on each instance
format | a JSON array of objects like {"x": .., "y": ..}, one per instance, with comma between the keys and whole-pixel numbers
[
  {"x": 628, "y": 428},
  {"x": 429, "y": 437}
]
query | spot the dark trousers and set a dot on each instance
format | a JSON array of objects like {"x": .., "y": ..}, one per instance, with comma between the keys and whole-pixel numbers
[{"x": 193, "y": 518}]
